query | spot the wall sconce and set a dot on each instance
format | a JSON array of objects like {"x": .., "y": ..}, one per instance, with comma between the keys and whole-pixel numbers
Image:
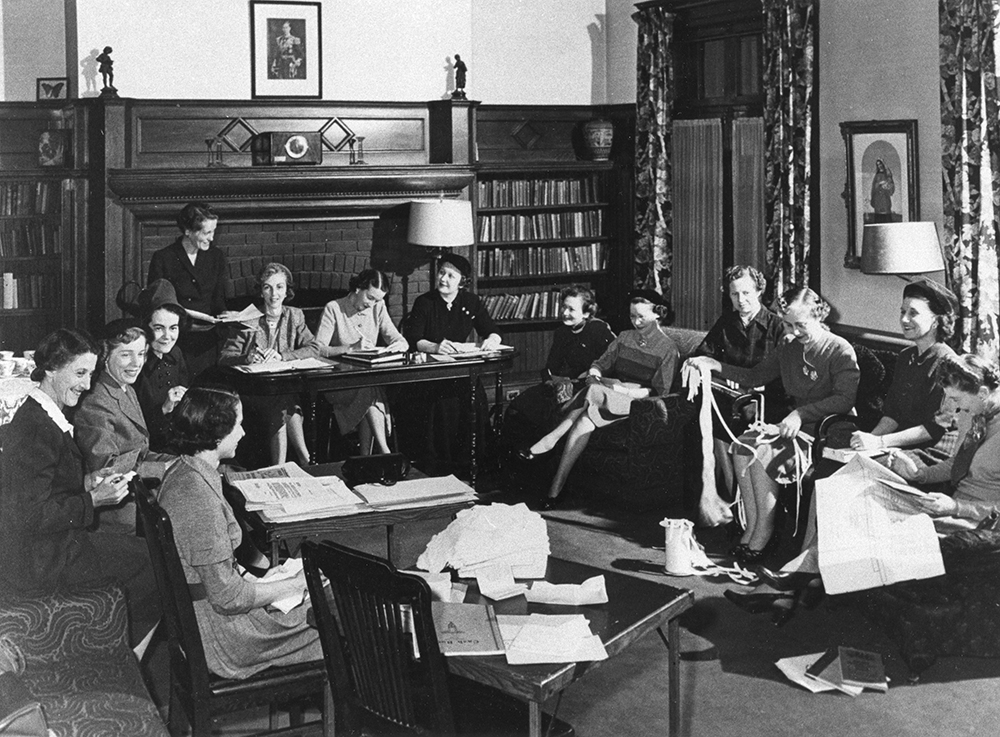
[
  {"x": 901, "y": 248},
  {"x": 440, "y": 224}
]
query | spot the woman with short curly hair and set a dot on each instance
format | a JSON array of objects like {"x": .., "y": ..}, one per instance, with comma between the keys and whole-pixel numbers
[
  {"x": 241, "y": 633},
  {"x": 819, "y": 371}
]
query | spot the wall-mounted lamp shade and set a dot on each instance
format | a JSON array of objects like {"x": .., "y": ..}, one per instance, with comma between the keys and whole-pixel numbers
[
  {"x": 900, "y": 248},
  {"x": 441, "y": 223}
]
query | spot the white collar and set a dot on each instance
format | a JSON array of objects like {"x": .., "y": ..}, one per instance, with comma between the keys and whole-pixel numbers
[{"x": 51, "y": 409}]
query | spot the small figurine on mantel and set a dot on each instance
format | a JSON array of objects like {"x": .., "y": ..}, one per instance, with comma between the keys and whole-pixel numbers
[
  {"x": 460, "y": 71},
  {"x": 107, "y": 73}
]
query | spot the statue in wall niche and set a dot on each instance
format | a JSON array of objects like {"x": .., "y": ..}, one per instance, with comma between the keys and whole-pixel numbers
[
  {"x": 460, "y": 71},
  {"x": 107, "y": 73}
]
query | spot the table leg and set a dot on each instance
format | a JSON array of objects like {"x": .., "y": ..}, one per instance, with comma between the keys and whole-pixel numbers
[
  {"x": 534, "y": 719},
  {"x": 310, "y": 421},
  {"x": 388, "y": 543},
  {"x": 673, "y": 641},
  {"x": 275, "y": 552}
]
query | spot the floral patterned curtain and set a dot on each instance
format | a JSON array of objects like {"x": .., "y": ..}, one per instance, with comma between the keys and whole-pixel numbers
[
  {"x": 653, "y": 254},
  {"x": 789, "y": 128},
  {"x": 970, "y": 163}
]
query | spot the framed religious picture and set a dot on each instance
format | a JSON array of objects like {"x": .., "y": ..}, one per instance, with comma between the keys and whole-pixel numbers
[
  {"x": 883, "y": 184},
  {"x": 54, "y": 148},
  {"x": 51, "y": 88},
  {"x": 285, "y": 49}
]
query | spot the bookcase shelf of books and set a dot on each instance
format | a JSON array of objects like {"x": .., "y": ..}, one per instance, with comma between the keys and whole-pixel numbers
[
  {"x": 539, "y": 228},
  {"x": 36, "y": 256}
]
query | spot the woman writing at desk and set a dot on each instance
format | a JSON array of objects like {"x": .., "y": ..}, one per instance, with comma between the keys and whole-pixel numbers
[
  {"x": 197, "y": 272},
  {"x": 442, "y": 321},
  {"x": 242, "y": 636},
  {"x": 280, "y": 334},
  {"x": 360, "y": 321}
]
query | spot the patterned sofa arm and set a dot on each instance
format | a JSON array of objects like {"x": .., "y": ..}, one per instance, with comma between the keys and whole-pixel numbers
[
  {"x": 658, "y": 420},
  {"x": 67, "y": 625}
]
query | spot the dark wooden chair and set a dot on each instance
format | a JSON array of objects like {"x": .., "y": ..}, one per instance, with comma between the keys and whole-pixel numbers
[
  {"x": 369, "y": 645},
  {"x": 195, "y": 692}
]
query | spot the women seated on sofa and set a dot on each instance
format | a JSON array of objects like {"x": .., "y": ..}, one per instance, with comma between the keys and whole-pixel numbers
[
  {"x": 741, "y": 337},
  {"x": 442, "y": 321},
  {"x": 47, "y": 502},
  {"x": 971, "y": 387},
  {"x": 110, "y": 428},
  {"x": 241, "y": 635},
  {"x": 927, "y": 317},
  {"x": 819, "y": 371},
  {"x": 280, "y": 334},
  {"x": 359, "y": 321},
  {"x": 164, "y": 377},
  {"x": 639, "y": 363},
  {"x": 579, "y": 341}
]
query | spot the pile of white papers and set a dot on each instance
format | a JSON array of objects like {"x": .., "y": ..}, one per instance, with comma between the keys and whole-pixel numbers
[
  {"x": 425, "y": 492},
  {"x": 287, "y": 493},
  {"x": 549, "y": 638},
  {"x": 275, "y": 367},
  {"x": 490, "y": 535}
]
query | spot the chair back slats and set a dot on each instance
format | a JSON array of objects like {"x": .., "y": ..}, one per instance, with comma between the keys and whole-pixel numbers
[
  {"x": 368, "y": 641},
  {"x": 187, "y": 654}
]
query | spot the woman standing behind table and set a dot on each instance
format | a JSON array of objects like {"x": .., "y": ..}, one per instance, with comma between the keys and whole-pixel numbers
[
  {"x": 927, "y": 317},
  {"x": 198, "y": 273},
  {"x": 241, "y": 636},
  {"x": 359, "y": 321},
  {"x": 47, "y": 503},
  {"x": 280, "y": 334},
  {"x": 442, "y": 321},
  {"x": 164, "y": 377},
  {"x": 110, "y": 428},
  {"x": 639, "y": 363},
  {"x": 819, "y": 371}
]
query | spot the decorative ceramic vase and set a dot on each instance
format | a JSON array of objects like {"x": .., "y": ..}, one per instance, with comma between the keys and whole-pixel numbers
[{"x": 598, "y": 135}]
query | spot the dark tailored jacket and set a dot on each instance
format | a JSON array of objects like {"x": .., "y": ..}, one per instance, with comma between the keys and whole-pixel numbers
[
  {"x": 110, "y": 429},
  {"x": 430, "y": 319},
  {"x": 44, "y": 508},
  {"x": 201, "y": 286},
  {"x": 158, "y": 377}
]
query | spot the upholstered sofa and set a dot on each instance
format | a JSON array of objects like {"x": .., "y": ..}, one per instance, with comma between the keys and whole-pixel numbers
[{"x": 78, "y": 664}]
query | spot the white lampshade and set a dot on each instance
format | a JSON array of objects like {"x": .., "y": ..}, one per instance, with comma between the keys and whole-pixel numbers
[
  {"x": 900, "y": 248},
  {"x": 440, "y": 223}
]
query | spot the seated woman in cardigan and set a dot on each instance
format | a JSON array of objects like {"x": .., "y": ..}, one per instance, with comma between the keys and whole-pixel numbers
[{"x": 280, "y": 334}]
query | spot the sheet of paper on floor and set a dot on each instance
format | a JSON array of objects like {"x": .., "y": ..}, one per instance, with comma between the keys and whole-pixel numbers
[
  {"x": 489, "y": 534},
  {"x": 549, "y": 638},
  {"x": 794, "y": 669},
  {"x": 870, "y": 535},
  {"x": 591, "y": 591}
]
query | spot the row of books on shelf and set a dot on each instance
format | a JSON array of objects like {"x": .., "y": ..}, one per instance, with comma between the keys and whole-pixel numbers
[
  {"x": 528, "y": 192},
  {"x": 504, "y": 227},
  {"x": 528, "y": 306},
  {"x": 29, "y": 238},
  {"x": 29, "y": 198},
  {"x": 540, "y": 260},
  {"x": 28, "y": 292}
]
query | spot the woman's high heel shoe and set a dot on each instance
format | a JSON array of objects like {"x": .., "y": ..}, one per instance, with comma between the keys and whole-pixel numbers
[
  {"x": 755, "y": 603},
  {"x": 785, "y": 580}
]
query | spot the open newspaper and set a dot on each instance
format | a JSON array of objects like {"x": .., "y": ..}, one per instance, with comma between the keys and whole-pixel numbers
[{"x": 872, "y": 530}]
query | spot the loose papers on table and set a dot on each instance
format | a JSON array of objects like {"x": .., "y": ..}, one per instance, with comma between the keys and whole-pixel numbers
[
  {"x": 549, "y": 638},
  {"x": 488, "y": 535},
  {"x": 275, "y": 367},
  {"x": 870, "y": 534}
]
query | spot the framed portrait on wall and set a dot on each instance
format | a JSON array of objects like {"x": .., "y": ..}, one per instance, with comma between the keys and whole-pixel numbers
[
  {"x": 883, "y": 184},
  {"x": 285, "y": 50}
]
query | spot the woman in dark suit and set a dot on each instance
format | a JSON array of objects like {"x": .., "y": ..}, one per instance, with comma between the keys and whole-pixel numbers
[
  {"x": 198, "y": 273},
  {"x": 46, "y": 502}
]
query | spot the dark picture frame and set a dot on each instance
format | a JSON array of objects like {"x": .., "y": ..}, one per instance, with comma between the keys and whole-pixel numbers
[
  {"x": 54, "y": 148},
  {"x": 286, "y": 50},
  {"x": 883, "y": 180},
  {"x": 51, "y": 88}
]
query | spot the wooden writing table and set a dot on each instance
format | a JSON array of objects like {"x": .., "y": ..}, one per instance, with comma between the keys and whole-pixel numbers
[
  {"x": 292, "y": 534},
  {"x": 349, "y": 375},
  {"x": 635, "y": 607}
]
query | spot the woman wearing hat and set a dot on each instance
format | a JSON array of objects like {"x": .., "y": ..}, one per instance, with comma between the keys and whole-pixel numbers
[
  {"x": 442, "y": 321},
  {"x": 639, "y": 363},
  {"x": 927, "y": 317},
  {"x": 164, "y": 377}
]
